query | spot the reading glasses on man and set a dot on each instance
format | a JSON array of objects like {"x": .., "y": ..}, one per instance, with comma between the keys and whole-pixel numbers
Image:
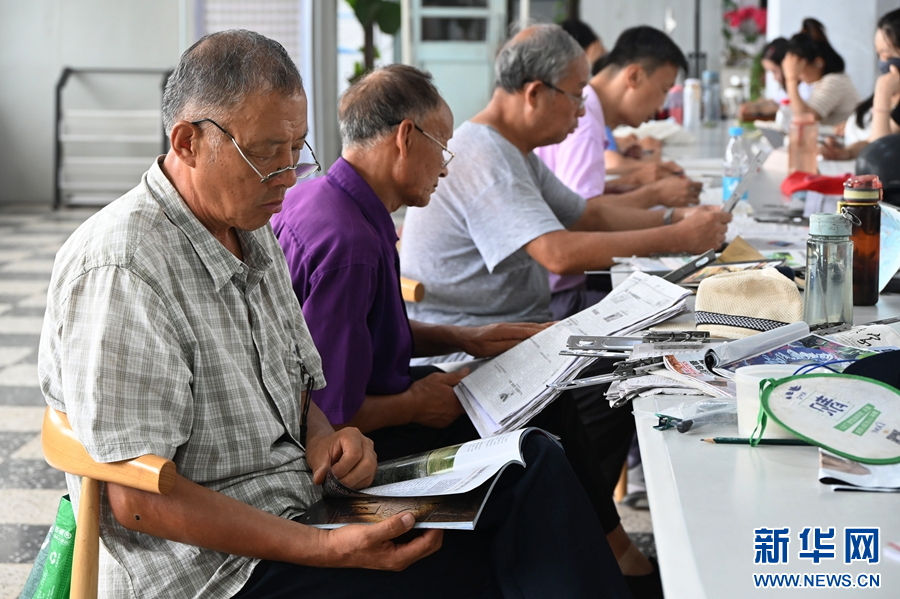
[
  {"x": 301, "y": 169},
  {"x": 447, "y": 154},
  {"x": 579, "y": 100}
]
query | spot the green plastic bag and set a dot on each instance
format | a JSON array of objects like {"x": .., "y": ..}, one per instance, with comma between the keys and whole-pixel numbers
[{"x": 51, "y": 576}]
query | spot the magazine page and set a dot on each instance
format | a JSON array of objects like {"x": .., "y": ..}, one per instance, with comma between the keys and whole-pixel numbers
[
  {"x": 691, "y": 369},
  {"x": 739, "y": 349},
  {"x": 445, "y": 471},
  {"x": 811, "y": 349},
  {"x": 851, "y": 475}
]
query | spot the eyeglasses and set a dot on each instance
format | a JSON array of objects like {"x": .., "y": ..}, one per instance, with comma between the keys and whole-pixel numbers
[
  {"x": 301, "y": 169},
  {"x": 448, "y": 155},
  {"x": 579, "y": 100}
]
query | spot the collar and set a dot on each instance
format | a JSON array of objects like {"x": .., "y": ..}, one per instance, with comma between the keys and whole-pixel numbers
[
  {"x": 344, "y": 176},
  {"x": 221, "y": 264}
]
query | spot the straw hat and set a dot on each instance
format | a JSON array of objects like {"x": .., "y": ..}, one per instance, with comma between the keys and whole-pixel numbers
[{"x": 740, "y": 304}]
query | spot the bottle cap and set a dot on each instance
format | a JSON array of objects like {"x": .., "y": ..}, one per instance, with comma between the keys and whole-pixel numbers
[
  {"x": 863, "y": 182},
  {"x": 785, "y": 101},
  {"x": 710, "y": 76},
  {"x": 735, "y": 131},
  {"x": 863, "y": 188},
  {"x": 829, "y": 224}
]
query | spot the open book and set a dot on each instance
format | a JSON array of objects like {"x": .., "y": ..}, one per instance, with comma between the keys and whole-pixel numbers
[{"x": 442, "y": 488}]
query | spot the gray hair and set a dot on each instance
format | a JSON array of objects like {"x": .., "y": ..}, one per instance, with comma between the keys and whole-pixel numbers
[
  {"x": 221, "y": 70},
  {"x": 372, "y": 106},
  {"x": 538, "y": 53}
]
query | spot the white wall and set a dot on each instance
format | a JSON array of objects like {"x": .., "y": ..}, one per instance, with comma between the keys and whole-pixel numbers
[
  {"x": 37, "y": 39},
  {"x": 610, "y": 17},
  {"x": 850, "y": 27}
]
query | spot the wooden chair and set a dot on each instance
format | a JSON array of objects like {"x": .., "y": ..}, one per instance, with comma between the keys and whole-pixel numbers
[
  {"x": 63, "y": 451},
  {"x": 412, "y": 291}
]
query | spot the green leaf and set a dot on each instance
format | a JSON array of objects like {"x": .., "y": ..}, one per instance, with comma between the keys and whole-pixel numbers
[
  {"x": 365, "y": 10},
  {"x": 388, "y": 17}
]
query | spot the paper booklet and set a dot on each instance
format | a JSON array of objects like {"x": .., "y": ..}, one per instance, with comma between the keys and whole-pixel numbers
[
  {"x": 511, "y": 389},
  {"x": 690, "y": 369},
  {"x": 442, "y": 488},
  {"x": 848, "y": 475}
]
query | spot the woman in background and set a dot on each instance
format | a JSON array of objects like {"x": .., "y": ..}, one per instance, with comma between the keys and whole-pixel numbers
[
  {"x": 811, "y": 59},
  {"x": 878, "y": 115}
]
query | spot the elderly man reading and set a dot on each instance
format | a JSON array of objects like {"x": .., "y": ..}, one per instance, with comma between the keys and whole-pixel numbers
[
  {"x": 172, "y": 329},
  {"x": 501, "y": 220}
]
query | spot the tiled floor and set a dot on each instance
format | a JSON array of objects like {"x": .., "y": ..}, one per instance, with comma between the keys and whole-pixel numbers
[{"x": 29, "y": 488}]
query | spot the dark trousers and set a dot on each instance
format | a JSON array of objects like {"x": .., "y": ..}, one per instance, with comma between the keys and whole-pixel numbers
[{"x": 537, "y": 537}]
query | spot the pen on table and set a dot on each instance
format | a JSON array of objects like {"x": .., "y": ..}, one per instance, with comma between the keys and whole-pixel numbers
[{"x": 740, "y": 441}]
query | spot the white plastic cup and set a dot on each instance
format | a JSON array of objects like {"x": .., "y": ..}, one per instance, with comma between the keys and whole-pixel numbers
[{"x": 747, "y": 379}]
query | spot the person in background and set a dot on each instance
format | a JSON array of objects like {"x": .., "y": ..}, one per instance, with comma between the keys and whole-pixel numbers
[
  {"x": 879, "y": 114},
  {"x": 766, "y": 108},
  {"x": 631, "y": 85},
  {"x": 589, "y": 41},
  {"x": 811, "y": 59},
  {"x": 340, "y": 245}
]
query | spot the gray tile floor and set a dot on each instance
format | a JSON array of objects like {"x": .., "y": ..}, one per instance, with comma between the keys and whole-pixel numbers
[{"x": 29, "y": 488}]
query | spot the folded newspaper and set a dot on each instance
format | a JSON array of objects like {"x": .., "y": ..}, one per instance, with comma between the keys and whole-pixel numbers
[
  {"x": 442, "y": 488},
  {"x": 508, "y": 391}
]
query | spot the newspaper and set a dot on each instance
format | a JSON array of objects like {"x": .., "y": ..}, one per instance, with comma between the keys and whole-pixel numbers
[
  {"x": 691, "y": 369},
  {"x": 511, "y": 389}
]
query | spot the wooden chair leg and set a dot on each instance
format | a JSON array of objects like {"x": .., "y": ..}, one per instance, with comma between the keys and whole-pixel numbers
[
  {"x": 86, "y": 565},
  {"x": 622, "y": 486}
]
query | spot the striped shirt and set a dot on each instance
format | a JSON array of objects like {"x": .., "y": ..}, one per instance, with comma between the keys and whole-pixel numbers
[
  {"x": 157, "y": 340},
  {"x": 834, "y": 98}
]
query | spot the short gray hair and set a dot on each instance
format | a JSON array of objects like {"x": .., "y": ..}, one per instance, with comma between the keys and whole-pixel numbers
[
  {"x": 372, "y": 106},
  {"x": 538, "y": 53},
  {"x": 221, "y": 70}
]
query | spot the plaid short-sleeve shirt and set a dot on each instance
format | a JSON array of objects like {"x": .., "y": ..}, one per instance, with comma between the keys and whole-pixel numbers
[{"x": 158, "y": 340}]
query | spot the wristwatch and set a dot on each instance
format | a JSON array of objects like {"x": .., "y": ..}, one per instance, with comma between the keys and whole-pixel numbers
[{"x": 667, "y": 216}]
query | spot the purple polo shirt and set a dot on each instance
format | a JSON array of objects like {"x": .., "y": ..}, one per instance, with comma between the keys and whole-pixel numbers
[{"x": 340, "y": 245}]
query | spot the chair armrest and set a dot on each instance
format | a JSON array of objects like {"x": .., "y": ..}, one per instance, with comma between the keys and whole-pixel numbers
[{"x": 64, "y": 451}]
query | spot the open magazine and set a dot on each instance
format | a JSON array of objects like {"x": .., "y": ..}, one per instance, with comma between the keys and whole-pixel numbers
[{"x": 442, "y": 488}]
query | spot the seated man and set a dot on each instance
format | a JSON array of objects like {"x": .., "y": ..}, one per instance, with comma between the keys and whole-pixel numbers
[
  {"x": 629, "y": 88},
  {"x": 172, "y": 329},
  {"x": 340, "y": 245},
  {"x": 501, "y": 220}
]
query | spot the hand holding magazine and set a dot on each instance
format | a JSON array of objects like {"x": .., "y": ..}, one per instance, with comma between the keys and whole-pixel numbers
[{"x": 442, "y": 488}]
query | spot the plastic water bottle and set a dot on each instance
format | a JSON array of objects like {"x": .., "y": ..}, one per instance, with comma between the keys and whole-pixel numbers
[
  {"x": 784, "y": 116},
  {"x": 712, "y": 99},
  {"x": 737, "y": 163}
]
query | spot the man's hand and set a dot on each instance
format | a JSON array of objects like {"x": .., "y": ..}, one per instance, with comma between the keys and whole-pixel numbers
[
  {"x": 702, "y": 228},
  {"x": 677, "y": 191},
  {"x": 349, "y": 454},
  {"x": 371, "y": 546},
  {"x": 493, "y": 339},
  {"x": 432, "y": 400}
]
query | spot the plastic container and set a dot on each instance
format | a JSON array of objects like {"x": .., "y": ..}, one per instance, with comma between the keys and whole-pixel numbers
[
  {"x": 712, "y": 99},
  {"x": 861, "y": 207},
  {"x": 747, "y": 380},
  {"x": 691, "y": 103},
  {"x": 803, "y": 149},
  {"x": 828, "y": 297},
  {"x": 784, "y": 116},
  {"x": 737, "y": 162}
]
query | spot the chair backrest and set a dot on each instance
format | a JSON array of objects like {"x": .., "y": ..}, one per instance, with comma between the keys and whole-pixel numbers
[
  {"x": 63, "y": 451},
  {"x": 412, "y": 291}
]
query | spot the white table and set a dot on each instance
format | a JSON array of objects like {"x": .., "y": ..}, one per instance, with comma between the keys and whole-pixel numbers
[{"x": 707, "y": 499}]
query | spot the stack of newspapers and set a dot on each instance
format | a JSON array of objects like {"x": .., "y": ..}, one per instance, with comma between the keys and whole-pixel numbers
[{"x": 508, "y": 391}]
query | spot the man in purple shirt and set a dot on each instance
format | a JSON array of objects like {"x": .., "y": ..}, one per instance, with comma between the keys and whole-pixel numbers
[{"x": 340, "y": 245}]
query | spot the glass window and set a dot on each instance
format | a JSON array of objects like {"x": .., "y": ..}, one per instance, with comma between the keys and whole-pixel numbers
[{"x": 453, "y": 30}]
